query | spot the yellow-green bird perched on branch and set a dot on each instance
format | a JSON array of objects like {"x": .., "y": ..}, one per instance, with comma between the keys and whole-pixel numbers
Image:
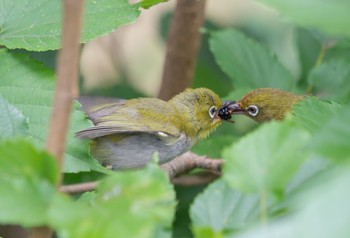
[
  {"x": 126, "y": 134},
  {"x": 261, "y": 104}
]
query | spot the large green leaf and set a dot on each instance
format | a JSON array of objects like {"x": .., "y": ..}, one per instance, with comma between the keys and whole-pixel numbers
[
  {"x": 247, "y": 62},
  {"x": 127, "y": 204},
  {"x": 333, "y": 139},
  {"x": 12, "y": 121},
  {"x": 223, "y": 209},
  {"x": 330, "y": 16},
  {"x": 323, "y": 212},
  {"x": 29, "y": 86},
  {"x": 266, "y": 159},
  {"x": 312, "y": 113},
  {"x": 331, "y": 80},
  {"x": 28, "y": 178},
  {"x": 36, "y": 24}
]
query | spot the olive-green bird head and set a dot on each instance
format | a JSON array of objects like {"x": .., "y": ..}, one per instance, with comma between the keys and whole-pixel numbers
[
  {"x": 199, "y": 108},
  {"x": 262, "y": 104}
]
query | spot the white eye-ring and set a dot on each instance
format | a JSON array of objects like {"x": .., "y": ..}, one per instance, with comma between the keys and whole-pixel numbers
[
  {"x": 253, "y": 110},
  {"x": 212, "y": 112}
]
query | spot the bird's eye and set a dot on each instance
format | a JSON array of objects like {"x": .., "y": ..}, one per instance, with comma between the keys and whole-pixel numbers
[
  {"x": 212, "y": 111},
  {"x": 253, "y": 110}
]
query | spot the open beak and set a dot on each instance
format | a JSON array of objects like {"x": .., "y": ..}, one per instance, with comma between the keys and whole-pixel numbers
[
  {"x": 233, "y": 107},
  {"x": 228, "y": 108}
]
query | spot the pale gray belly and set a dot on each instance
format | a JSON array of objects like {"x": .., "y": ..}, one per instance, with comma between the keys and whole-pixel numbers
[{"x": 135, "y": 150}]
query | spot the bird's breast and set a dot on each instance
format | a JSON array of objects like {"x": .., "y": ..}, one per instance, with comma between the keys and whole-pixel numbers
[{"x": 137, "y": 149}]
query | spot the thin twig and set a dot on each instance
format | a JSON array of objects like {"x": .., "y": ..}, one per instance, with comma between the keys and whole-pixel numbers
[
  {"x": 66, "y": 89},
  {"x": 78, "y": 188},
  {"x": 195, "y": 179},
  {"x": 263, "y": 207},
  {"x": 182, "y": 47},
  {"x": 319, "y": 60},
  {"x": 189, "y": 161},
  {"x": 181, "y": 164}
]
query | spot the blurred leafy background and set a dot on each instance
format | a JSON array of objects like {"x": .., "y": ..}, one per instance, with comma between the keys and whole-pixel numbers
[{"x": 281, "y": 179}]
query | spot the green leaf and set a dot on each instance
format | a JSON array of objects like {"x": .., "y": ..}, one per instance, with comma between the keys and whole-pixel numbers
[
  {"x": 247, "y": 62},
  {"x": 313, "y": 168},
  {"x": 149, "y": 3},
  {"x": 223, "y": 209},
  {"x": 28, "y": 178},
  {"x": 312, "y": 14},
  {"x": 206, "y": 232},
  {"x": 29, "y": 86},
  {"x": 213, "y": 146},
  {"x": 36, "y": 24},
  {"x": 339, "y": 51},
  {"x": 309, "y": 48},
  {"x": 333, "y": 139},
  {"x": 331, "y": 80},
  {"x": 323, "y": 212},
  {"x": 266, "y": 159},
  {"x": 312, "y": 113},
  {"x": 127, "y": 204},
  {"x": 12, "y": 121}
]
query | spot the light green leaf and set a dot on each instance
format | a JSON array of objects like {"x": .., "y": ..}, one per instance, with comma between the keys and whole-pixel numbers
[
  {"x": 127, "y": 204},
  {"x": 312, "y": 113},
  {"x": 331, "y": 80},
  {"x": 149, "y": 3},
  {"x": 266, "y": 159},
  {"x": 36, "y": 24},
  {"x": 333, "y": 139},
  {"x": 247, "y": 62},
  {"x": 309, "y": 172},
  {"x": 223, "y": 209},
  {"x": 12, "y": 121},
  {"x": 323, "y": 212},
  {"x": 29, "y": 86},
  {"x": 206, "y": 232},
  {"x": 28, "y": 178},
  {"x": 330, "y": 16}
]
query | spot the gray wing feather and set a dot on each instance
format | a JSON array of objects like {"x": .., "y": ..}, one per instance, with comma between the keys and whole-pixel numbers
[
  {"x": 96, "y": 107},
  {"x": 99, "y": 131}
]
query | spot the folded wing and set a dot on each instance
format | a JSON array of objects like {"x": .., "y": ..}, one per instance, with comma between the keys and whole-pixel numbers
[{"x": 147, "y": 115}]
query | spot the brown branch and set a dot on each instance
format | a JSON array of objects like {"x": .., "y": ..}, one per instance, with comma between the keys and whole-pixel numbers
[
  {"x": 66, "y": 89},
  {"x": 181, "y": 164},
  {"x": 67, "y": 75},
  {"x": 78, "y": 188},
  {"x": 182, "y": 47},
  {"x": 195, "y": 179},
  {"x": 189, "y": 161}
]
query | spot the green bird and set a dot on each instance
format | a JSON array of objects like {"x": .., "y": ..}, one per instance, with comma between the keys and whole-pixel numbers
[
  {"x": 263, "y": 104},
  {"x": 126, "y": 134}
]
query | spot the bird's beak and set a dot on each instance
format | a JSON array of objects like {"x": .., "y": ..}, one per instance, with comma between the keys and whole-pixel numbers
[
  {"x": 227, "y": 109},
  {"x": 234, "y": 107}
]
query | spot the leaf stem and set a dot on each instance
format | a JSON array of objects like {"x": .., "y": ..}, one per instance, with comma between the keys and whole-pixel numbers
[
  {"x": 319, "y": 61},
  {"x": 263, "y": 207}
]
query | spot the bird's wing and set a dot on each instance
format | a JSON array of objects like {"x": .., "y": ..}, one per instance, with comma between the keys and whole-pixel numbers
[
  {"x": 97, "y": 107},
  {"x": 152, "y": 116},
  {"x": 99, "y": 131}
]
